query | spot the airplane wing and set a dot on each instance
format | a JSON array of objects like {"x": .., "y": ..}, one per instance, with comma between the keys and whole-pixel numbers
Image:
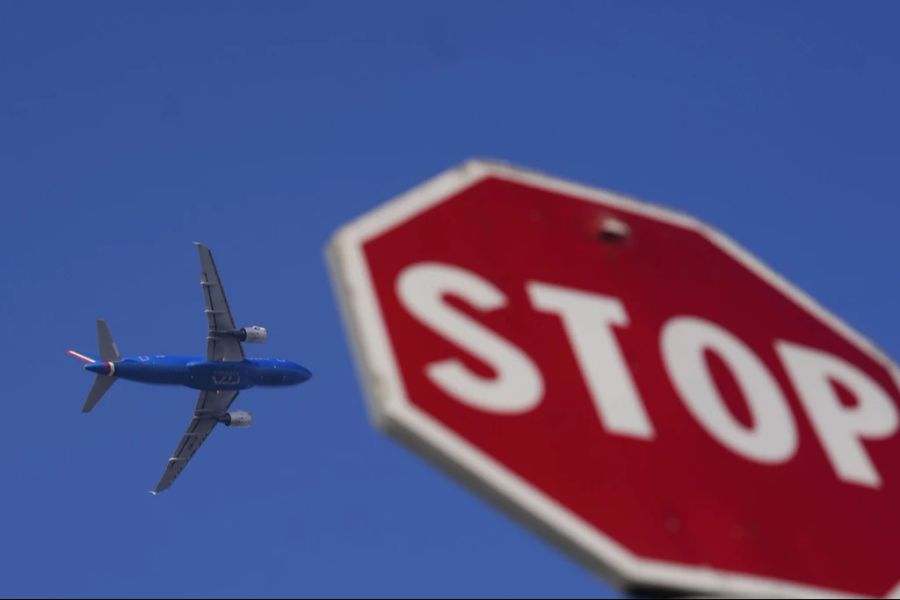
[
  {"x": 210, "y": 404},
  {"x": 219, "y": 344}
]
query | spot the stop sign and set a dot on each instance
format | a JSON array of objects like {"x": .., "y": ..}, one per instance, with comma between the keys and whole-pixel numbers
[{"x": 630, "y": 382}]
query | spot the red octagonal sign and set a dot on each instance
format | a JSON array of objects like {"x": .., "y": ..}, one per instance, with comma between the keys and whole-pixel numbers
[{"x": 630, "y": 382}]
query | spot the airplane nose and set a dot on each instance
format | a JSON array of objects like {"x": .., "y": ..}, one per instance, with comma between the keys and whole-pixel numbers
[{"x": 303, "y": 373}]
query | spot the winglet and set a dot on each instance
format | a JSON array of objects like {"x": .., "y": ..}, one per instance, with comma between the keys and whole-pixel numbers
[{"x": 153, "y": 492}]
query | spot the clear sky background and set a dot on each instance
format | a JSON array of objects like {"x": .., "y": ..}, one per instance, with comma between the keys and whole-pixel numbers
[{"x": 128, "y": 130}]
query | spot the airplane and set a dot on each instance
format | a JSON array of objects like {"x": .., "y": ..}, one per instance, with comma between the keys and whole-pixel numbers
[{"x": 220, "y": 375}]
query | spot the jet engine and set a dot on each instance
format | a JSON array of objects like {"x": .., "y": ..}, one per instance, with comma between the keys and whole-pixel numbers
[
  {"x": 236, "y": 418},
  {"x": 253, "y": 334}
]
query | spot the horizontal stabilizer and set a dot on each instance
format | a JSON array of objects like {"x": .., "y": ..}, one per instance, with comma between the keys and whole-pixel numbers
[
  {"x": 101, "y": 385},
  {"x": 108, "y": 350}
]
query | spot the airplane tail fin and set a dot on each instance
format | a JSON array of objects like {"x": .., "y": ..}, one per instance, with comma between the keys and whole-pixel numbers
[
  {"x": 105, "y": 367},
  {"x": 101, "y": 385},
  {"x": 109, "y": 354},
  {"x": 81, "y": 356}
]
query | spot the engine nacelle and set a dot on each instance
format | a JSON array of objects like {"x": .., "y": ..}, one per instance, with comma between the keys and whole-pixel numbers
[
  {"x": 237, "y": 418},
  {"x": 253, "y": 334}
]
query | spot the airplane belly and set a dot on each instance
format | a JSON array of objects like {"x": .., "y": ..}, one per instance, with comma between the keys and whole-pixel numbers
[
  {"x": 273, "y": 379},
  {"x": 149, "y": 372},
  {"x": 218, "y": 376}
]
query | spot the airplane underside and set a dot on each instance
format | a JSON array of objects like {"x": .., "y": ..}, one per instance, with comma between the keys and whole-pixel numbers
[
  {"x": 219, "y": 376},
  {"x": 211, "y": 375}
]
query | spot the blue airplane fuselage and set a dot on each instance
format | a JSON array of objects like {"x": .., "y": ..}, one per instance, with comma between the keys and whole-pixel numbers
[{"x": 201, "y": 374}]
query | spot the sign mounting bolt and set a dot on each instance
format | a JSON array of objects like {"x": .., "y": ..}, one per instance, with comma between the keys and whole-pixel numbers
[{"x": 613, "y": 230}]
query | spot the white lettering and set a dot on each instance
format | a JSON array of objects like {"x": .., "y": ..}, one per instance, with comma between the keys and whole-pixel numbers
[
  {"x": 517, "y": 387},
  {"x": 773, "y": 436},
  {"x": 588, "y": 320},
  {"x": 841, "y": 429}
]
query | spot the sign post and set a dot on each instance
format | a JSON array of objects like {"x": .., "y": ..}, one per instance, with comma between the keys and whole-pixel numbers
[{"x": 629, "y": 382}]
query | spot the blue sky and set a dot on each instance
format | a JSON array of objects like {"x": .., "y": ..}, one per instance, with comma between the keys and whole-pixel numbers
[{"x": 129, "y": 130}]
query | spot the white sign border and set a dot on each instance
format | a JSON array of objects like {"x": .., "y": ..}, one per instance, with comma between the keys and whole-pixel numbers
[{"x": 391, "y": 410}]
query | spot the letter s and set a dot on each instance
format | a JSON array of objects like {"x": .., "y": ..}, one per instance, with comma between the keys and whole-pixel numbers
[{"x": 518, "y": 386}]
